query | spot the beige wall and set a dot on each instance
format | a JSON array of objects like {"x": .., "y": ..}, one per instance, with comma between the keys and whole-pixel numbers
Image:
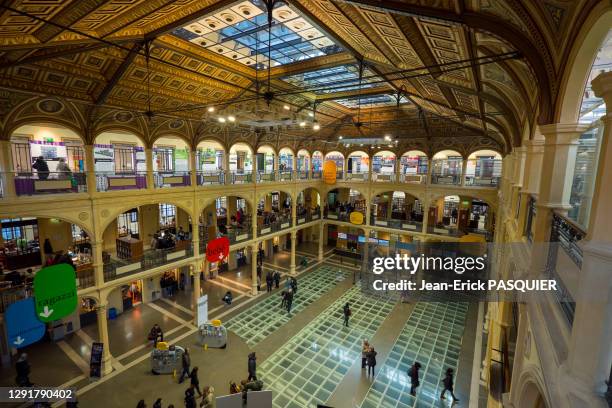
[{"x": 148, "y": 219}]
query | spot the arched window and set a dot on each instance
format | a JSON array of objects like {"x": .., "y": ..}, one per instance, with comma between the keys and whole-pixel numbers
[{"x": 591, "y": 111}]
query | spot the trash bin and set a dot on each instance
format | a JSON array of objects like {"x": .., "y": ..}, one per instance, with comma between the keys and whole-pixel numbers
[
  {"x": 112, "y": 313},
  {"x": 58, "y": 332}
]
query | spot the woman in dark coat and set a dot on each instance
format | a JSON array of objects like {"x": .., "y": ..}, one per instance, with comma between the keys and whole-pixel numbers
[
  {"x": 413, "y": 373},
  {"x": 371, "y": 360},
  {"x": 448, "y": 385},
  {"x": 195, "y": 381},
  {"x": 252, "y": 367}
]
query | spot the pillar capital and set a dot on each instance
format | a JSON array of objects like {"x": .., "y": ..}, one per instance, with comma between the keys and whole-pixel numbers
[
  {"x": 562, "y": 133},
  {"x": 602, "y": 86}
]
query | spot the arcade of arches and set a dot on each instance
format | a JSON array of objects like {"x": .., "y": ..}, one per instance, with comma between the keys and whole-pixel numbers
[{"x": 314, "y": 136}]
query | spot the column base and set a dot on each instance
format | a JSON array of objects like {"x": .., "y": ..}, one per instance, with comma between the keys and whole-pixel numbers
[
  {"x": 107, "y": 366},
  {"x": 254, "y": 290},
  {"x": 292, "y": 270}
]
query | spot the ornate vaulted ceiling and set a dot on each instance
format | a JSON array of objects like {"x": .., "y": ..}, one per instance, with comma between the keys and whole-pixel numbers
[{"x": 432, "y": 72}]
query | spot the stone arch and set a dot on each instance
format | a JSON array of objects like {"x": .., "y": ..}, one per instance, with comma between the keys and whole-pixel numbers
[
  {"x": 579, "y": 62},
  {"x": 114, "y": 213},
  {"x": 29, "y": 113},
  {"x": 163, "y": 134},
  {"x": 82, "y": 220},
  {"x": 122, "y": 129},
  {"x": 530, "y": 385},
  {"x": 261, "y": 194}
]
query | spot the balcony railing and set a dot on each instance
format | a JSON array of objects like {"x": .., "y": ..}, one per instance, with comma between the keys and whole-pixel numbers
[
  {"x": 279, "y": 224},
  {"x": 317, "y": 174},
  {"x": 482, "y": 181},
  {"x": 357, "y": 176},
  {"x": 383, "y": 177},
  {"x": 118, "y": 268},
  {"x": 339, "y": 175},
  {"x": 27, "y": 184},
  {"x": 210, "y": 177},
  {"x": 307, "y": 216},
  {"x": 264, "y": 177},
  {"x": 286, "y": 175},
  {"x": 163, "y": 179},
  {"x": 11, "y": 295},
  {"x": 336, "y": 214},
  {"x": 405, "y": 225},
  {"x": 303, "y": 174},
  {"x": 414, "y": 178},
  {"x": 85, "y": 278},
  {"x": 445, "y": 178},
  {"x": 239, "y": 177},
  {"x": 111, "y": 181},
  {"x": 564, "y": 234}
]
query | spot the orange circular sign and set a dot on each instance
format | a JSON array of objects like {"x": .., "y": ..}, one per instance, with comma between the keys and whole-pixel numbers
[
  {"x": 329, "y": 172},
  {"x": 356, "y": 218}
]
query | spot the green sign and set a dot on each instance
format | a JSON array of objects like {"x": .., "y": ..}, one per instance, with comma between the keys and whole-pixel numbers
[{"x": 55, "y": 292}]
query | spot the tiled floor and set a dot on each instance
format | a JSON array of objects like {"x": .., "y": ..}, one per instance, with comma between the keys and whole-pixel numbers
[
  {"x": 432, "y": 336},
  {"x": 307, "y": 369},
  {"x": 257, "y": 322}
]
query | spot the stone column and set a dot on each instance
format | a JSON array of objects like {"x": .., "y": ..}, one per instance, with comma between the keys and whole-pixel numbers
[
  {"x": 98, "y": 262},
  {"x": 294, "y": 211},
  {"x": 589, "y": 353},
  {"x": 254, "y": 250},
  {"x": 560, "y": 147},
  {"x": 149, "y": 162},
  {"x": 195, "y": 268},
  {"x": 227, "y": 176},
  {"x": 90, "y": 169},
  {"x": 193, "y": 167},
  {"x": 425, "y": 206},
  {"x": 254, "y": 169},
  {"x": 429, "y": 169},
  {"x": 464, "y": 164},
  {"x": 101, "y": 313},
  {"x": 8, "y": 175},
  {"x": 321, "y": 245},
  {"x": 293, "y": 249},
  {"x": 398, "y": 168}
]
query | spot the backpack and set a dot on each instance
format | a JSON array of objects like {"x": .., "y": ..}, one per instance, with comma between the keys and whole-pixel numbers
[{"x": 410, "y": 372}]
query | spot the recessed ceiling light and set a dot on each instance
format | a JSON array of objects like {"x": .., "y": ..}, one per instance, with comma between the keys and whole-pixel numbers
[
  {"x": 231, "y": 118},
  {"x": 340, "y": 137},
  {"x": 286, "y": 107},
  {"x": 310, "y": 114},
  {"x": 211, "y": 108},
  {"x": 302, "y": 124},
  {"x": 316, "y": 126},
  {"x": 221, "y": 119}
]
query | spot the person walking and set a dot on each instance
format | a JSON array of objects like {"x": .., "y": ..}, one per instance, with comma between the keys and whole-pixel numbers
[
  {"x": 258, "y": 283},
  {"x": 346, "y": 311},
  {"x": 186, "y": 364},
  {"x": 289, "y": 300},
  {"x": 277, "y": 278},
  {"x": 284, "y": 299},
  {"x": 252, "y": 367},
  {"x": 23, "y": 371},
  {"x": 195, "y": 381},
  {"x": 209, "y": 400},
  {"x": 294, "y": 285},
  {"x": 62, "y": 169},
  {"x": 157, "y": 403},
  {"x": 190, "y": 401},
  {"x": 365, "y": 348},
  {"x": 269, "y": 282},
  {"x": 371, "y": 360},
  {"x": 41, "y": 167},
  {"x": 141, "y": 404},
  {"x": 413, "y": 373},
  {"x": 448, "y": 385}
]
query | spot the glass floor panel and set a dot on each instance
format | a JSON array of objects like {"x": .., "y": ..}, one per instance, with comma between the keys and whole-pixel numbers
[
  {"x": 258, "y": 322},
  {"x": 432, "y": 336},
  {"x": 306, "y": 370}
]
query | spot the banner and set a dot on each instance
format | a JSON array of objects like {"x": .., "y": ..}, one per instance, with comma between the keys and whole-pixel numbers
[
  {"x": 95, "y": 362},
  {"x": 329, "y": 172},
  {"x": 217, "y": 249}
]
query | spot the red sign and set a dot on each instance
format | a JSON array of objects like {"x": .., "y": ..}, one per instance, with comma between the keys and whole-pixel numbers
[{"x": 217, "y": 249}]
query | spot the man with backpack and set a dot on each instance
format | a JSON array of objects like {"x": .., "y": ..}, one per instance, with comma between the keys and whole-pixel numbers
[{"x": 413, "y": 373}]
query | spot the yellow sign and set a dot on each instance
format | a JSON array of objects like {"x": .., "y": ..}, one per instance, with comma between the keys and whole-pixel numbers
[
  {"x": 216, "y": 322},
  {"x": 329, "y": 172},
  {"x": 356, "y": 218}
]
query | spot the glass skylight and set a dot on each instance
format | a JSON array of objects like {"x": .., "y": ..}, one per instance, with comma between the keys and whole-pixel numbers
[
  {"x": 336, "y": 79},
  {"x": 373, "y": 101},
  {"x": 240, "y": 32}
]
